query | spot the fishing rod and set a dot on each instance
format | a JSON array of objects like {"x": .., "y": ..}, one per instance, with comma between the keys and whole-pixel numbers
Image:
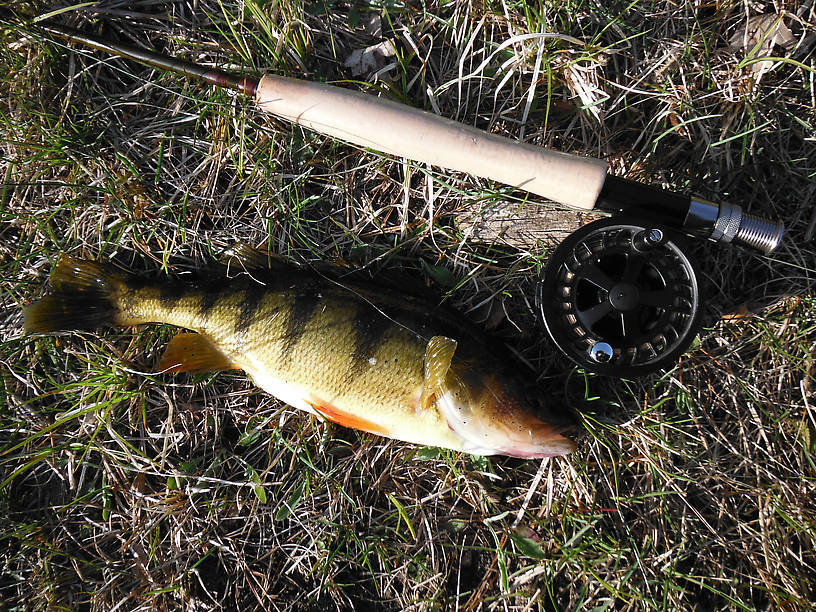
[
  {"x": 574, "y": 181},
  {"x": 619, "y": 296}
]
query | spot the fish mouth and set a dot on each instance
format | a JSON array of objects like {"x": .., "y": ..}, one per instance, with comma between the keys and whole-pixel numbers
[
  {"x": 545, "y": 441},
  {"x": 496, "y": 425},
  {"x": 555, "y": 446},
  {"x": 554, "y": 451}
]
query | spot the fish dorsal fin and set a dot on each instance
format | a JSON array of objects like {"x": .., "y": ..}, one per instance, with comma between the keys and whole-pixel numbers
[
  {"x": 73, "y": 274},
  {"x": 438, "y": 357},
  {"x": 195, "y": 354},
  {"x": 242, "y": 256}
]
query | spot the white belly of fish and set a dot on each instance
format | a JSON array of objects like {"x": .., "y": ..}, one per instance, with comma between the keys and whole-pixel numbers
[
  {"x": 291, "y": 394},
  {"x": 420, "y": 432}
]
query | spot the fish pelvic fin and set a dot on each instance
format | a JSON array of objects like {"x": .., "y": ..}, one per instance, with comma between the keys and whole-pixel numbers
[
  {"x": 195, "y": 354},
  {"x": 438, "y": 357},
  {"x": 340, "y": 417},
  {"x": 84, "y": 298}
]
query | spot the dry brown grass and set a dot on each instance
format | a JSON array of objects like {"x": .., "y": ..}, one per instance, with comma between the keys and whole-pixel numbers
[{"x": 122, "y": 489}]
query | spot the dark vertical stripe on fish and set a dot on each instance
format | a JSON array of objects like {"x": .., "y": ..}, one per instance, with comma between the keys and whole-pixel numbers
[
  {"x": 370, "y": 332},
  {"x": 209, "y": 299},
  {"x": 137, "y": 283},
  {"x": 170, "y": 293},
  {"x": 252, "y": 297},
  {"x": 301, "y": 312}
]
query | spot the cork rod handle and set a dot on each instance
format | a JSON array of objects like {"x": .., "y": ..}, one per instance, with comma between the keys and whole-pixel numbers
[{"x": 397, "y": 129}]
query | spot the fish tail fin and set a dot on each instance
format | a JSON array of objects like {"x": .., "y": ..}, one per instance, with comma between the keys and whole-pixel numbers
[{"x": 84, "y": 298}]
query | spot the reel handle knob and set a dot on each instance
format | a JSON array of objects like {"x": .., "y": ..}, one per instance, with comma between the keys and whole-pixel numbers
[{"x": 648, "y": 239}]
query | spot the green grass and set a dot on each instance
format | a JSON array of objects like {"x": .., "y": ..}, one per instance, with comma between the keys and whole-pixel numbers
[{"x": 119, "y": 487}]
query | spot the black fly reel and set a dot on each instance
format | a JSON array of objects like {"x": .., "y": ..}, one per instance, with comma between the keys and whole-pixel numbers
[{"x": 619, "y": 297}]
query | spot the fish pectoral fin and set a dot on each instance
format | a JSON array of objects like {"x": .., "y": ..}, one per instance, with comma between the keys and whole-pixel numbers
[
  {"x": 195, "y": 354},
  {"x": 438, "y": 357},
  {"x": 346, "y": 419},
  {"x": 427, "y": 399}
]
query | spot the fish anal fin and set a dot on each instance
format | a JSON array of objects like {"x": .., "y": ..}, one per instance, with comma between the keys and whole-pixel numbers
[
  {"x": 438, "y": 356},
  {"x": 195, "y": 354},
  {"x": 340, "y": 417}
]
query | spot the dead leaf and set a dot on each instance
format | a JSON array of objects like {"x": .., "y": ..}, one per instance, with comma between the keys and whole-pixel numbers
[
  {"x": 371, "y": 60},
  {"x": 496, "y": 318},
  {"x": 373, "y": 25},
  {"x": 740, "y": 312},
  {"x": 139, "y": 483},
  {"x": 759, "y": 36}
]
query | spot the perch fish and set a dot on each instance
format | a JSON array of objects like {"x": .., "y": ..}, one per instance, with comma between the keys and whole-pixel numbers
[{"x": 357, "y": 355}]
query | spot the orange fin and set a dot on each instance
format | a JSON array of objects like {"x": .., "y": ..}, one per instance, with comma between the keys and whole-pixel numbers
[
  {"x": 349, "y": 420},
  {"x": 195, "y": 354}
]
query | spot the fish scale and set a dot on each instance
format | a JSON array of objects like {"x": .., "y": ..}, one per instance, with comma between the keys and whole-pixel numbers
[{"x": 362, "y": 357}]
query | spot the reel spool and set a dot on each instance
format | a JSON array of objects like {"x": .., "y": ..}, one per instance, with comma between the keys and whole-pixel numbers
[{"x": 620, "y": 297}]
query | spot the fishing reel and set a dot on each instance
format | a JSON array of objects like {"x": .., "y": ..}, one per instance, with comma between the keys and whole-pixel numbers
[{"x": 620, "y": 297}]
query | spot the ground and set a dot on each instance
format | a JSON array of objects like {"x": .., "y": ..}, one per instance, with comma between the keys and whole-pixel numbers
[{"x": 121, "y": 488}]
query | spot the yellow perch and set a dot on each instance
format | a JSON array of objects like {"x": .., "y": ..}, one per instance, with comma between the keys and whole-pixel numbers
[{"x": 359, "y": 356}]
